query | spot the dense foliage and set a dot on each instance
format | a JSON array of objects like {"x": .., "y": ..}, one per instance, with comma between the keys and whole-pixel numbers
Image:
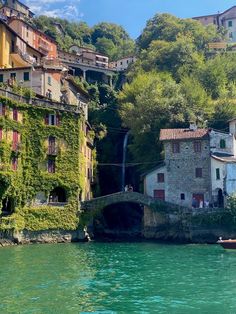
[
  {"x": 107, "y": 38},
  {"x": 176, "y": 80},
  {"x": 31, "y": 177}
]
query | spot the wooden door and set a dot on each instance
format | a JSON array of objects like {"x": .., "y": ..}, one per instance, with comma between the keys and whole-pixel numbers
[
  {"x": 159, "y": 194},
  {"x": 199, "y": 199}
]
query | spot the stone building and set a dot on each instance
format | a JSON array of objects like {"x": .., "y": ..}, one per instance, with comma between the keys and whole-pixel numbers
[
  {"x": 198, "y": 168},
  {"x": 34, "y": 37},
  {"x": 41, "y": 153},
  {"x": 123, "y": 63},
  {"x": 16, "y": 8},
  {"x": 226, "y": 19},
  {"x": 15, "y": 51}
]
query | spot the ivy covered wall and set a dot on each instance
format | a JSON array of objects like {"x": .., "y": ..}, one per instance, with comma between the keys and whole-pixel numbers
[{"x": 21, "y": 186}]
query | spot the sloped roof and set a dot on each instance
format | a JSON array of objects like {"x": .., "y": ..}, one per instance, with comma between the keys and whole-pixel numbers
[
  {"x": 181, "y": 134},
  {"x": 224, "y": 158}
]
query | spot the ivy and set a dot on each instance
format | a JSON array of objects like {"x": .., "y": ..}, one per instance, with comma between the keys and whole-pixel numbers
[{"x": 32, "y": 177}]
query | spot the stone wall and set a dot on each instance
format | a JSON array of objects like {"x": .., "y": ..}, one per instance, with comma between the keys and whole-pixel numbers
[
  {"x": 43, "y": 237},
  {"x": 191, "y": 226},
  {"x": 181, "y": 172}
]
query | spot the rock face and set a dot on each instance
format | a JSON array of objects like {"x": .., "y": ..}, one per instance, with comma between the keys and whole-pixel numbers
[
  {"x": 186, "y": 226},
  {"x": 45, "y": 236}
]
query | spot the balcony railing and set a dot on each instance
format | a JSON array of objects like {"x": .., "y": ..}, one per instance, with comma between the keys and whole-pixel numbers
[
  {"x": 25, "y": 56},
  {"x": 16, "y": 147},
  {"x": 52, "y": 150}
]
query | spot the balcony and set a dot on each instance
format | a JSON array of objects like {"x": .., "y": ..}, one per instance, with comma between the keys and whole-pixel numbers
[
  {"x": 43, "y": 46},
  {"x": 15, "y": 147},
  {"x": 52, "y": 150}
]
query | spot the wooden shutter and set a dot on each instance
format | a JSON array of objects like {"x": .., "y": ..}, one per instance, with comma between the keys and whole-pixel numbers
[
  {"x": 3, "y": 110},
  {"x": 58, "y": 119},
  {"x": 15, "y": 114},
  {"x": 47, "y": 119}
]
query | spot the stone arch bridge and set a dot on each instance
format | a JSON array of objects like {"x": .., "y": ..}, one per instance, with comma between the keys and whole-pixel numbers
[{"x": 127, "y": 197}]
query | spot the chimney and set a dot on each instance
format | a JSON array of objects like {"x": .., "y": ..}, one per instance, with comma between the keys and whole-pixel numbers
[{"x": 192, "y": 126}]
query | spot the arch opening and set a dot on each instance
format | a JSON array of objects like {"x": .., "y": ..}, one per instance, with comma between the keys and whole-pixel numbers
[
  {"x": 120, "y": 220},
  {"x": 58, "y": 195},
  {"x": 8, "y": 206}
]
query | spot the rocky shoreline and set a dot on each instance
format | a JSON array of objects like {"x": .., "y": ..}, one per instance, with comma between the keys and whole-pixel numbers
[{"x": 43, "y": 237}]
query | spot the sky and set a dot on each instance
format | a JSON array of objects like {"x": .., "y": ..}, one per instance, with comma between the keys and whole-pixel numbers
[{"x": 131, "y": 14}]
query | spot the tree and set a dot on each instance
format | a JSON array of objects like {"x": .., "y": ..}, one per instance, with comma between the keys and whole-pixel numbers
[
  {"x": 106, "y": 46},
  {"x": 172, "y": 56},
  {"x": 167, "y": 27},
  {"x": 153, "y": 101}
]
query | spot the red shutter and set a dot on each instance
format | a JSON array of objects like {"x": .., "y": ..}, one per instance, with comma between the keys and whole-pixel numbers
[
  {"x": 159, "y": 194},
  {"x": 15, "y": 114},
  {"x": 3, "y": 110},
  {"x": 14, "y": 163},
  {"x": 47, "y": 119},
  {"x": 0, "y": 134},
  {"x": 58, "y": 119}
]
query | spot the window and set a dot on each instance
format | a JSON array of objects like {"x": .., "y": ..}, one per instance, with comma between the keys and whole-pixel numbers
[
  {"x": 175, "y": 148},
  {"x": 222, "y": 144},
  {"x": 230, "y": 23},
  {"x": 51, "y": 145},
  {"x": 197, "y": 146},
  {"x": 51, "y": 166},
  {"x": 217, "y": 173},
  {"x": 49, "y": 80},
  {"x": 14, "y": 163},
  {"x": 198, "y": 172},
  {"x": 26, "y": 76},
  {"x": 15, "y": 114},
  {"x": 2, "y": 110},
  {"x": 160, "y": 177},
  {"x": 1, "y": 78},
  {"x": 52, "y": 119},
  {"x": 13, "y": 76},
  {"x": 230, "y": 35},
  {"x": 182, "y": 196},
  {"x": 15, "y": 143}
]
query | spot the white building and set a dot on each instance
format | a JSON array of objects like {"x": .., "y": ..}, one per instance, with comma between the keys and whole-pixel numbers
[
  {"x": 226, "y": 19},
  {"x": 199, "y": 165},
  {"x": 122, "y": 64}
]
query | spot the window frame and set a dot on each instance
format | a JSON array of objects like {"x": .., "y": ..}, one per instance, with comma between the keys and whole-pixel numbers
[
  {"x": 25, "y": 78},
  {"x": 198, "y": 172},
  {"x": 197, "y": 146},
  {"x": 51, "y": 165},
  {"x": 222, "y": 143},
  {"x": 161, "y": 177},
  {"x": 175, "y": 147}
]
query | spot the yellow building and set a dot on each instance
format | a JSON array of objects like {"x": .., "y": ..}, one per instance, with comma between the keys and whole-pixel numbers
[{"x": 14, "y": 51}]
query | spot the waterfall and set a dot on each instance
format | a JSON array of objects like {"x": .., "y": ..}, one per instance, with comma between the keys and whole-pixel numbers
[{"x": 124, "y": 160}]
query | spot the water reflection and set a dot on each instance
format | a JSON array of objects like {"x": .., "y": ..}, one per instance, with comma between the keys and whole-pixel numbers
[{"x": 117, "y": 278}]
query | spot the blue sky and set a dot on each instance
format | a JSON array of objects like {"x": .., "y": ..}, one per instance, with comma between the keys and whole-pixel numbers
[{"x": 131, "y": 14}]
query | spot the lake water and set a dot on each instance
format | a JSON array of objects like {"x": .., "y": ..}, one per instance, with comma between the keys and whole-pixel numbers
[{"x": 117, "y": 278}]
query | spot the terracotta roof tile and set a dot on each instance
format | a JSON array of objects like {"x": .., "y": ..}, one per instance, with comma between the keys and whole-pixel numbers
[{"x": 180, "y": 134}]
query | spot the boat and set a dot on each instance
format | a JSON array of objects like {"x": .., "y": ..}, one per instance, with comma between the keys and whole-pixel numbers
[{"x": 229, "y": 244}]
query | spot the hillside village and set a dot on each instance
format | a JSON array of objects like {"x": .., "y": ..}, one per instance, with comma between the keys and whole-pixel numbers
[{"x": 48, "y": 154}]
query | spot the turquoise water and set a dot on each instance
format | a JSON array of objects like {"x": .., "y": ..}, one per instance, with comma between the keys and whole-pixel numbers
[{"x": 117, "y": 278}]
